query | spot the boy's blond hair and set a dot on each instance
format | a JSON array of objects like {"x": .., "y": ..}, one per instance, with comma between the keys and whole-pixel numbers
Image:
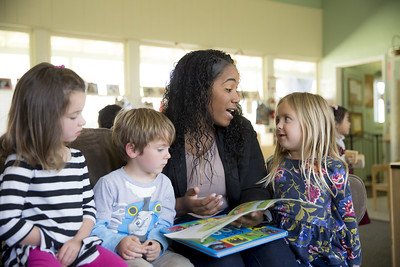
[{"x": 140, "y": 127}]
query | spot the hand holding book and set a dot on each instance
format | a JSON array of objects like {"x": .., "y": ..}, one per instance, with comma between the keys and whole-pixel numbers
[{"x": 249, "y": 220}]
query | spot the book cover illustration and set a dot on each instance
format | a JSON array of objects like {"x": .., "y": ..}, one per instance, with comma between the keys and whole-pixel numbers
[
  {"x": 229, "y": 239},
  {"x": 205, "y": 227}
]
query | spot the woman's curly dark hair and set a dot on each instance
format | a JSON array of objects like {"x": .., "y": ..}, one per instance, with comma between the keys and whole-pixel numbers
[{"x": 188, "y": 95}]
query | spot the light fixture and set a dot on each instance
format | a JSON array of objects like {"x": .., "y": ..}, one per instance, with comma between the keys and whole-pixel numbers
[{"x": 396, "y": 45}]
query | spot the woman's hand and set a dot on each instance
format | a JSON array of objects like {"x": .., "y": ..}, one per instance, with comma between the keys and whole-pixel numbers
[
  {"x": 69, "y": 251},
  {"x": 249, "y": 220},
  {"x": 204, "y": 206}
]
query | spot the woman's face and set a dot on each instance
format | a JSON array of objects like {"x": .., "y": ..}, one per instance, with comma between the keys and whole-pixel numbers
[{"x": 224, "y": 96}]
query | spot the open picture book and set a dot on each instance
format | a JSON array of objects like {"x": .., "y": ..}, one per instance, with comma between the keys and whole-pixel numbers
[
  {"x": 199, "y": 230},
  {"x": 216, "y": 237}
]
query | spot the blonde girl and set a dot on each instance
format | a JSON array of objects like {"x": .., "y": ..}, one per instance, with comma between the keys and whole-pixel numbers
[
  {"x": 306, "y": 166},
  {"x": 46, "y": 201}
]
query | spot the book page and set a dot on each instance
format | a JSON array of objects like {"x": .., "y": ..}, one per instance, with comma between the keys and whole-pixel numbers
[
  {"x": 203, "y": 228},
  {"x": 206, "y": 227},
  {"x": 199, "y": 230},
  {"x": 248, "y": 207}
]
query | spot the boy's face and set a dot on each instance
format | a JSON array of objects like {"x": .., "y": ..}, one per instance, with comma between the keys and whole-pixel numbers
[{"x": 154, "y": 157}]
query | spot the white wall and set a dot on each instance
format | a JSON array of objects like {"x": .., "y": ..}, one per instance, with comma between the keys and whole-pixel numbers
[{"x": 255, "y": 26}]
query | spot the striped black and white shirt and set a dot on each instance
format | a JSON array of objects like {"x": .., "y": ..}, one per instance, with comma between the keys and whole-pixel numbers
[{"x": 56, "y": 201}]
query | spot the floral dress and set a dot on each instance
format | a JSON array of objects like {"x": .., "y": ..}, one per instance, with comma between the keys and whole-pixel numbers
[{"x": 325, "y": 233}]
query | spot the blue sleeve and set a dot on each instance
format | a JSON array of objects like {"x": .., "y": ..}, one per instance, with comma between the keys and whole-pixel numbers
[
  {"x": 167, "y": 215},
  {"x": 110, "y": 239},
  {"x": 103, "y": 196}
]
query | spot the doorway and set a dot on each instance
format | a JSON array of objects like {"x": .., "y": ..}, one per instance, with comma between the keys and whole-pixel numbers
[{"x": 363, "y": 91}]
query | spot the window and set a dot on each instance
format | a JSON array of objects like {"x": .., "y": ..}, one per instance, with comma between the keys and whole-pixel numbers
[
  {"x": 251, "y": 83},
  {"x": 14, "y": 62},
  {"x": 14, "y": 55},
  {"x": 99, "y": 63},
  {"x": 379, "y": 101},
  {"x": 294, "y": 76},
  {"x": 156, "y": 64}
]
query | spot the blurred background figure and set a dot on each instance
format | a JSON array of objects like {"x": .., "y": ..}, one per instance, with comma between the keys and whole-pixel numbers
[{"x": 107, "y": 116}]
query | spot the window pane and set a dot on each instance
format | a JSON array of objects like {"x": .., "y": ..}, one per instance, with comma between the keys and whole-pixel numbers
[
  {"x": 251, "y": 83},
  {"x": 156, "y": 64},
  {"x": 14, "y": 62},
  {"x": 98, "y": 62},
  {"x": 379, "y": 101},
  {"x": 14, "y": 55},
  {"x": 294, "y": 76},
  {"x": 250, "y": 69}
]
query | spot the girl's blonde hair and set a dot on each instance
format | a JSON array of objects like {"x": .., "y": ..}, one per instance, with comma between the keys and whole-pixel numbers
[
  {"x": 140, "y": 127},
  {"x": 34, "y": 129},
  {"x": 318, "y": 139}
]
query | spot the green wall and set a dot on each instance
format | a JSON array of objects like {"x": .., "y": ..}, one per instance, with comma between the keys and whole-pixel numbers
[
  {"x": 354, "y": 31},
  {"x": 359, "y": 26}
]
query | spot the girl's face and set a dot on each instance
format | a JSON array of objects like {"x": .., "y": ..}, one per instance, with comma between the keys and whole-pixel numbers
[
  {"x": 288, "y": 130},
  {"x": 72, "y": 121},
  {"x": 343, "y": 127},
  {"x": 225, "y": 97},
  {"x": 153, "y": 159}
]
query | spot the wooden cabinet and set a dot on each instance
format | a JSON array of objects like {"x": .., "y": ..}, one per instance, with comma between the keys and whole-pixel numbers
[{"x": 394, "y": 185}]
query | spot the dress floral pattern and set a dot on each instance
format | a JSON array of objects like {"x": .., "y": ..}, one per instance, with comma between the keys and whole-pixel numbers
[{"x": 327, "y": 232}]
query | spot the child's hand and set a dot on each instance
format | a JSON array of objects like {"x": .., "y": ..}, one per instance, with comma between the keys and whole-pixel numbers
[
  {"x": 130, "y": 248},
  {"x": 153, "y": 250},
  {"x": 69, "y": 251},
  {"x": 252, "y": 219}
]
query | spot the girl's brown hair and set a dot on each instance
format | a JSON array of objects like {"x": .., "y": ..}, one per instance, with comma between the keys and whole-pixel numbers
[{"x": 34, "y": 130}]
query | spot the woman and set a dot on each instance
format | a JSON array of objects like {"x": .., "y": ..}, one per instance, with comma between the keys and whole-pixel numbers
[{"x": 216, "y": 160}]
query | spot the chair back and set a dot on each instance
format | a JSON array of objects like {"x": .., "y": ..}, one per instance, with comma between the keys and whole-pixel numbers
[
  {"x": 359, "y": 195},
  {"x": 101, "y": 154}
]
